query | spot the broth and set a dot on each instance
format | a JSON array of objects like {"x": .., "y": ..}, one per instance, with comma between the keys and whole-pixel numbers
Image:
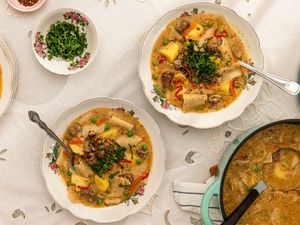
[
  {"x": 194, "y": 63},
  {"x": 266, "y": 157},
  {"x": 113, "y": 157}
]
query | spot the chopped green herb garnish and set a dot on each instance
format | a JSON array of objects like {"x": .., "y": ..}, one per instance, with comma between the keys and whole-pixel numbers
[
  {"x": 257, "y": 169},
  {"x": 155, "y": 62},
  {"x": 249, "y": 189},
  {"x": 66, "y": 41},
  {"x": 112, "y": 176},
  {"x": 154, "y": 76},
  {"x": 199, "y": 65},
  {"x": 165, "y": 41},
  {"x": 107, "y": 127},
  {"x": 131, "y": 151},
  {"x": 112, "y": 154},
  {"x": 126, "y": 192}
]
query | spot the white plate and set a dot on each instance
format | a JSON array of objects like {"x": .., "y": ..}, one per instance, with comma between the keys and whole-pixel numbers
[
  {"x": 7, "y": 78},
  {"x": 203, "y": 120},
  {"x": 60, "y": 66},
  {"x": 12, "y": 60},
  {"x": 114, "y": 213}
]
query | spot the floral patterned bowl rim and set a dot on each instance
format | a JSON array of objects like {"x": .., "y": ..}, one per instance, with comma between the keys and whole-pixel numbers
[
  {"x": 58, "y": 190},
  {"x": 60, "y": 66},
  {"x": 201, "y": 120},
  {"x": 7, "y": 81},
  {"x": 16, "y": 5}
]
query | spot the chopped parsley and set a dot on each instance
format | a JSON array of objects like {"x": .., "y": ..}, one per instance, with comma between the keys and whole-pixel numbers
[
  {"x": 257, "y": 169},
  {"x": 198, "y": 65},
  {"x": 111, "y": 153},
  {"x": 66, "y": 41}
]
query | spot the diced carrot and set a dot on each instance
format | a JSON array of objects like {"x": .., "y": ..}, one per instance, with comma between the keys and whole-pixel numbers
[
  {"x": 190, "y": 28},
  {"x": 100, "y": 122},
  {"x": 76, "y": 142},
  {"x": 227, "y": 101}
]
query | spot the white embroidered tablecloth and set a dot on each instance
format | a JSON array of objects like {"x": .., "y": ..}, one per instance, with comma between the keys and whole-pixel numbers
[{"x": 122, "y": 25}]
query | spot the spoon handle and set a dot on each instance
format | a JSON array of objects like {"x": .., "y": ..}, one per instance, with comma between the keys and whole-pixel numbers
[
  {"x": 235, "y": 216},
  {"x": 34, "y": 117},
  {"x": 286, "y": 85}
]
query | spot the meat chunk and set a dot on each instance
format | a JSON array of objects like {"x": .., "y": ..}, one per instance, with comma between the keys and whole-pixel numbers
[
  {"x": 181, "y": 25},
  {"x": 126, "y": 179},
  {"x": 74, "y": 129},
  {"x": 90, "y": 195},
  {"x": 167, "y": 78},
  {"x": 276, "y": 156},
  {"x": 214, "y": 170},
  {"x": 142, "y": 153},
  {"x": 129, "y": 176}
]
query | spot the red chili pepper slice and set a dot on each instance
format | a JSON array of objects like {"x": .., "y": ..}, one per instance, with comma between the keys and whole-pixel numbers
[
  {"x": 179, "y": 88},
  {"x": 232, "y": 90},
  {"x": 162, "y": 59},
  {"x": 137, "y": 181},
  {"x": 126, "y": 161},
  {"x": 83, "y": 188},
  {"x": 176, "y": 82},
  {"x": 223, "y": 34}
]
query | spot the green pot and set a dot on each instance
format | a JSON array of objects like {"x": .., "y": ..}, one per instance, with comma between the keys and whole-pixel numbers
[{"x": 216, "y": 188}]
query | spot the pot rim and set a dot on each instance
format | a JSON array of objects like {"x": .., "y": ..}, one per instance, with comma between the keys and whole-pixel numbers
[{"x": 291, "y": 121}]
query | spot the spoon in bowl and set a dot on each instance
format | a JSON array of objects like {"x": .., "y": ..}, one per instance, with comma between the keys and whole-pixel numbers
[
  {"x": 286, "y": 85},
  {"x": 235, "y": 216},
  {"x": 34, "y": 117}
]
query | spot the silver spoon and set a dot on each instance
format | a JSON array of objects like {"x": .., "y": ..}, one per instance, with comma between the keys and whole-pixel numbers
[
  {"x": 286, "y": 85},
  {"x": 34, "y": 117}
]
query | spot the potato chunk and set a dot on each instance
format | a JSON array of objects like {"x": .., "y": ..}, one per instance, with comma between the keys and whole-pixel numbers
[
  {"x": 170, "y": 51},
  {"x": 224, "y": 86},
  {"x": 77, "y": 149},
  {"x": 79, "y": 181},
  {"x": 102, "y": 184},
  {"x": 113, "y": 133}
]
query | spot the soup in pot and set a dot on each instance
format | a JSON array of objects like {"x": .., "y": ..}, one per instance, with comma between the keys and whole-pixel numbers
[{"x": 272, "y": 155}]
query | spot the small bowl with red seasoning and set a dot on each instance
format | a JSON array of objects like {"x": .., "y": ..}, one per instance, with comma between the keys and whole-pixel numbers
[
  {"x": 26, "y": 5},
  {"x": 189, "y": 65}
]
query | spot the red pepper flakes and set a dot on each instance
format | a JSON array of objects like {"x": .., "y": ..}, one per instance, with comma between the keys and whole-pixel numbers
[{"x": 28, "y": 2}]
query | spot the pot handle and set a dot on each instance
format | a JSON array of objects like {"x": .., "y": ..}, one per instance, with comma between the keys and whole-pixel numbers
[{"x": 212, "y": 190}]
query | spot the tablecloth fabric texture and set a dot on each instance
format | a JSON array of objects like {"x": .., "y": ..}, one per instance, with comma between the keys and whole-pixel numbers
[{"x": 122, "y": 25}]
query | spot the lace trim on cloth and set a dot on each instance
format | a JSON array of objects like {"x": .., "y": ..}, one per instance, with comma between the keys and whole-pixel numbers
[{"x": 265, "y": 108}]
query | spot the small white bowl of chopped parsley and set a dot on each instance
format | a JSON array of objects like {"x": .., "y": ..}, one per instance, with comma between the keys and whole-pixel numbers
[{"x": 65, "y": 41}]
